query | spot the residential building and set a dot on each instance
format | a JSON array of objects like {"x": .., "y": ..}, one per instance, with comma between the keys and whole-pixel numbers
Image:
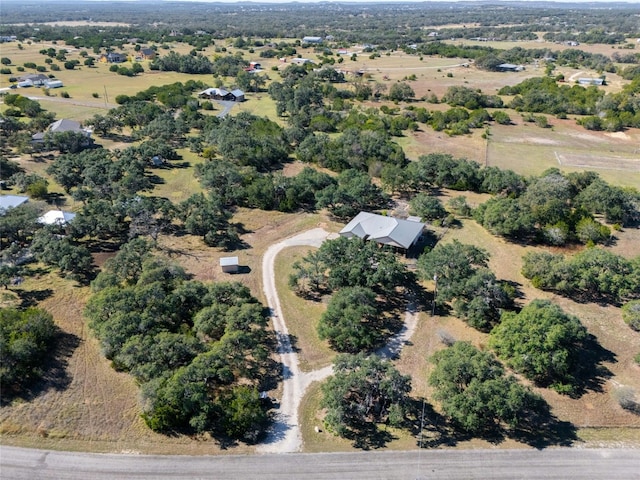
[{"x": 384, "y": 230}]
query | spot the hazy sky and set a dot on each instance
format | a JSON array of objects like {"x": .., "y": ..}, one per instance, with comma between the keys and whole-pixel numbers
[{"x": 631, "y": 2}]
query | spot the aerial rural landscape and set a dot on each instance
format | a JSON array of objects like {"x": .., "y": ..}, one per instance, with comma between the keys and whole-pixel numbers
[{"x": 319, "y": 227}]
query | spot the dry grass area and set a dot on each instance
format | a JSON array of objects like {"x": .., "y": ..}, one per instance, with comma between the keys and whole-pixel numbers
[
  {"x": 89, "y": 406},
  {"x": 600, "y": 420},
  {"x": 86, "y": 405},
  {"x": 302, "y": 315},
  {"x": 530, "y": 150}
]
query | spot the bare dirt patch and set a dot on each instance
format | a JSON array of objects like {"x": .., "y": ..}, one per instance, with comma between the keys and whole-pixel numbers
[{"x": 596, "y": 162}]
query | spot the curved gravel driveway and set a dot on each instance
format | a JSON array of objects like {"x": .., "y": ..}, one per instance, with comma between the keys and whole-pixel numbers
[{"x": 284, "y": 435}]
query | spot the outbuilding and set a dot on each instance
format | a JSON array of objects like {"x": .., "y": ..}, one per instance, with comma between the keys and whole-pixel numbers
[
  {"x": 53, "y": 84},
  {"x": 230, "y": 264}
]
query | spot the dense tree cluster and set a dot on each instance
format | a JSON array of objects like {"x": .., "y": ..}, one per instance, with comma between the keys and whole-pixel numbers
[
  {"x": 175, "y": 62},
  {"x": 363, "y": 392},
  {"x": 544, "y": 95},
  {"x": 364, "y": 278},
  {"x": 556, "y": 208},
  {"x": 70, "y": 257},
  {"x": 594, "y": 273},
  {"x": 248, "y": 140},
  {"x": 463, "y": 278},
  {"x": 201, "y": 25},
  {"x": 200, "y": 352},
  {"x": 26, "y": 336},
  {"x": 477, "y": 395},
  {"x": 460, "y": 96},
  {"x": 348, "y": 262},
  {"x": 541, "y": 342}
]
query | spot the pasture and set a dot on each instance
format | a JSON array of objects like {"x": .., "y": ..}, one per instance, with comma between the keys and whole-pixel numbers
[{"x": 97, "y": 408}]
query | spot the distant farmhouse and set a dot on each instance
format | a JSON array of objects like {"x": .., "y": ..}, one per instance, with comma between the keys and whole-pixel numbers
[
  {"x": 391, "y": 231},
  {"x": 63, "y": 125},
  {"x": 591, "y": 81},
  {"x": 53, "y": 83},
  {"x": 222, "y": 94},
  {"x": 509, "y": 67},
  {"x": 254, "y": 67},
  {"x": 56, "y": 217},
  {"x": 32, "y": 80},
  {"x": 113, "y": 57},
  {"x": 312, "y": 40},
  {"x": 147, "y": 54}
]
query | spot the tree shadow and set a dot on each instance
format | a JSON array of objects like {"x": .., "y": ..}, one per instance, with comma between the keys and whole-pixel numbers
[
  {"x": 31, "y": 298},
  {"x": 368, "y": 436},
  {"x": 591, "y": 374},
  {"x": 517, "y": 288},
  {"x": 55, "y": 377},
  {"x": 174, "y": 164},
  {"x": 541, "y": 429},
  {"x": 155, "y": 179},
  {"x": 118, "y": 137},
  {"x": 56, "y": 199}
]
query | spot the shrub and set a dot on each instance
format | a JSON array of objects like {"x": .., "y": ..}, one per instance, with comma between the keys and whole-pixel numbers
[
  {"x": 25, "y": 337},
  {"x": 542, "y": 342},
  {"x": 501, "y": 117},
  {"x": 65, "y": 95},
  {"x": 626, "y": 398},
  {"x": 631, "y": 314},
  {"x": 5, "y": 71}
]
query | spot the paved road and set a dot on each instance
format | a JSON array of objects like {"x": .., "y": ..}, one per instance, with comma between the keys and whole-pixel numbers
[{"x": 583, "y": 464}]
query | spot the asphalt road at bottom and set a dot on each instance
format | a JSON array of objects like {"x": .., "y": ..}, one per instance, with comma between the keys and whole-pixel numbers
[{"x": 569, "y": 463}]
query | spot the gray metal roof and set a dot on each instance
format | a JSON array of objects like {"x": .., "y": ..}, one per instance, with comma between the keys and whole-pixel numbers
[
  {"x": 386, "y": 230},
  {"x": 11, "y": 201}
]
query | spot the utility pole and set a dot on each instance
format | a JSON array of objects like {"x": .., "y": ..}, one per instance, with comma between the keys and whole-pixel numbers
[{"x": 435, "y": 293}]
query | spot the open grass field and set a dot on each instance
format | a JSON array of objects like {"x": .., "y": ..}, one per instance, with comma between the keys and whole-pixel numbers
[
  {"x": 92, "y": 407},
  {"x": 302, "y": 315}
]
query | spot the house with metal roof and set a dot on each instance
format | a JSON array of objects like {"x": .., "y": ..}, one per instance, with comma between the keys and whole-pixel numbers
[
  {"x": 509, "y": 67},
  {"x": 59, "y": 126},
  {"x": 56, "y": 217},
  {"x": 384, "y": 230},
  {"x": 11, "y": 201},
  {"x": 222, "y": 94}
]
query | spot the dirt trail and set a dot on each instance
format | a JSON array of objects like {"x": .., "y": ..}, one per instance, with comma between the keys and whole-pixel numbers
[{"x": 285, "y": 436}]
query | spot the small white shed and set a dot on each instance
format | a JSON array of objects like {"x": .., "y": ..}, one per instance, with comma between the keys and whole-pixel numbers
[{"x": 229, "y": 264}]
